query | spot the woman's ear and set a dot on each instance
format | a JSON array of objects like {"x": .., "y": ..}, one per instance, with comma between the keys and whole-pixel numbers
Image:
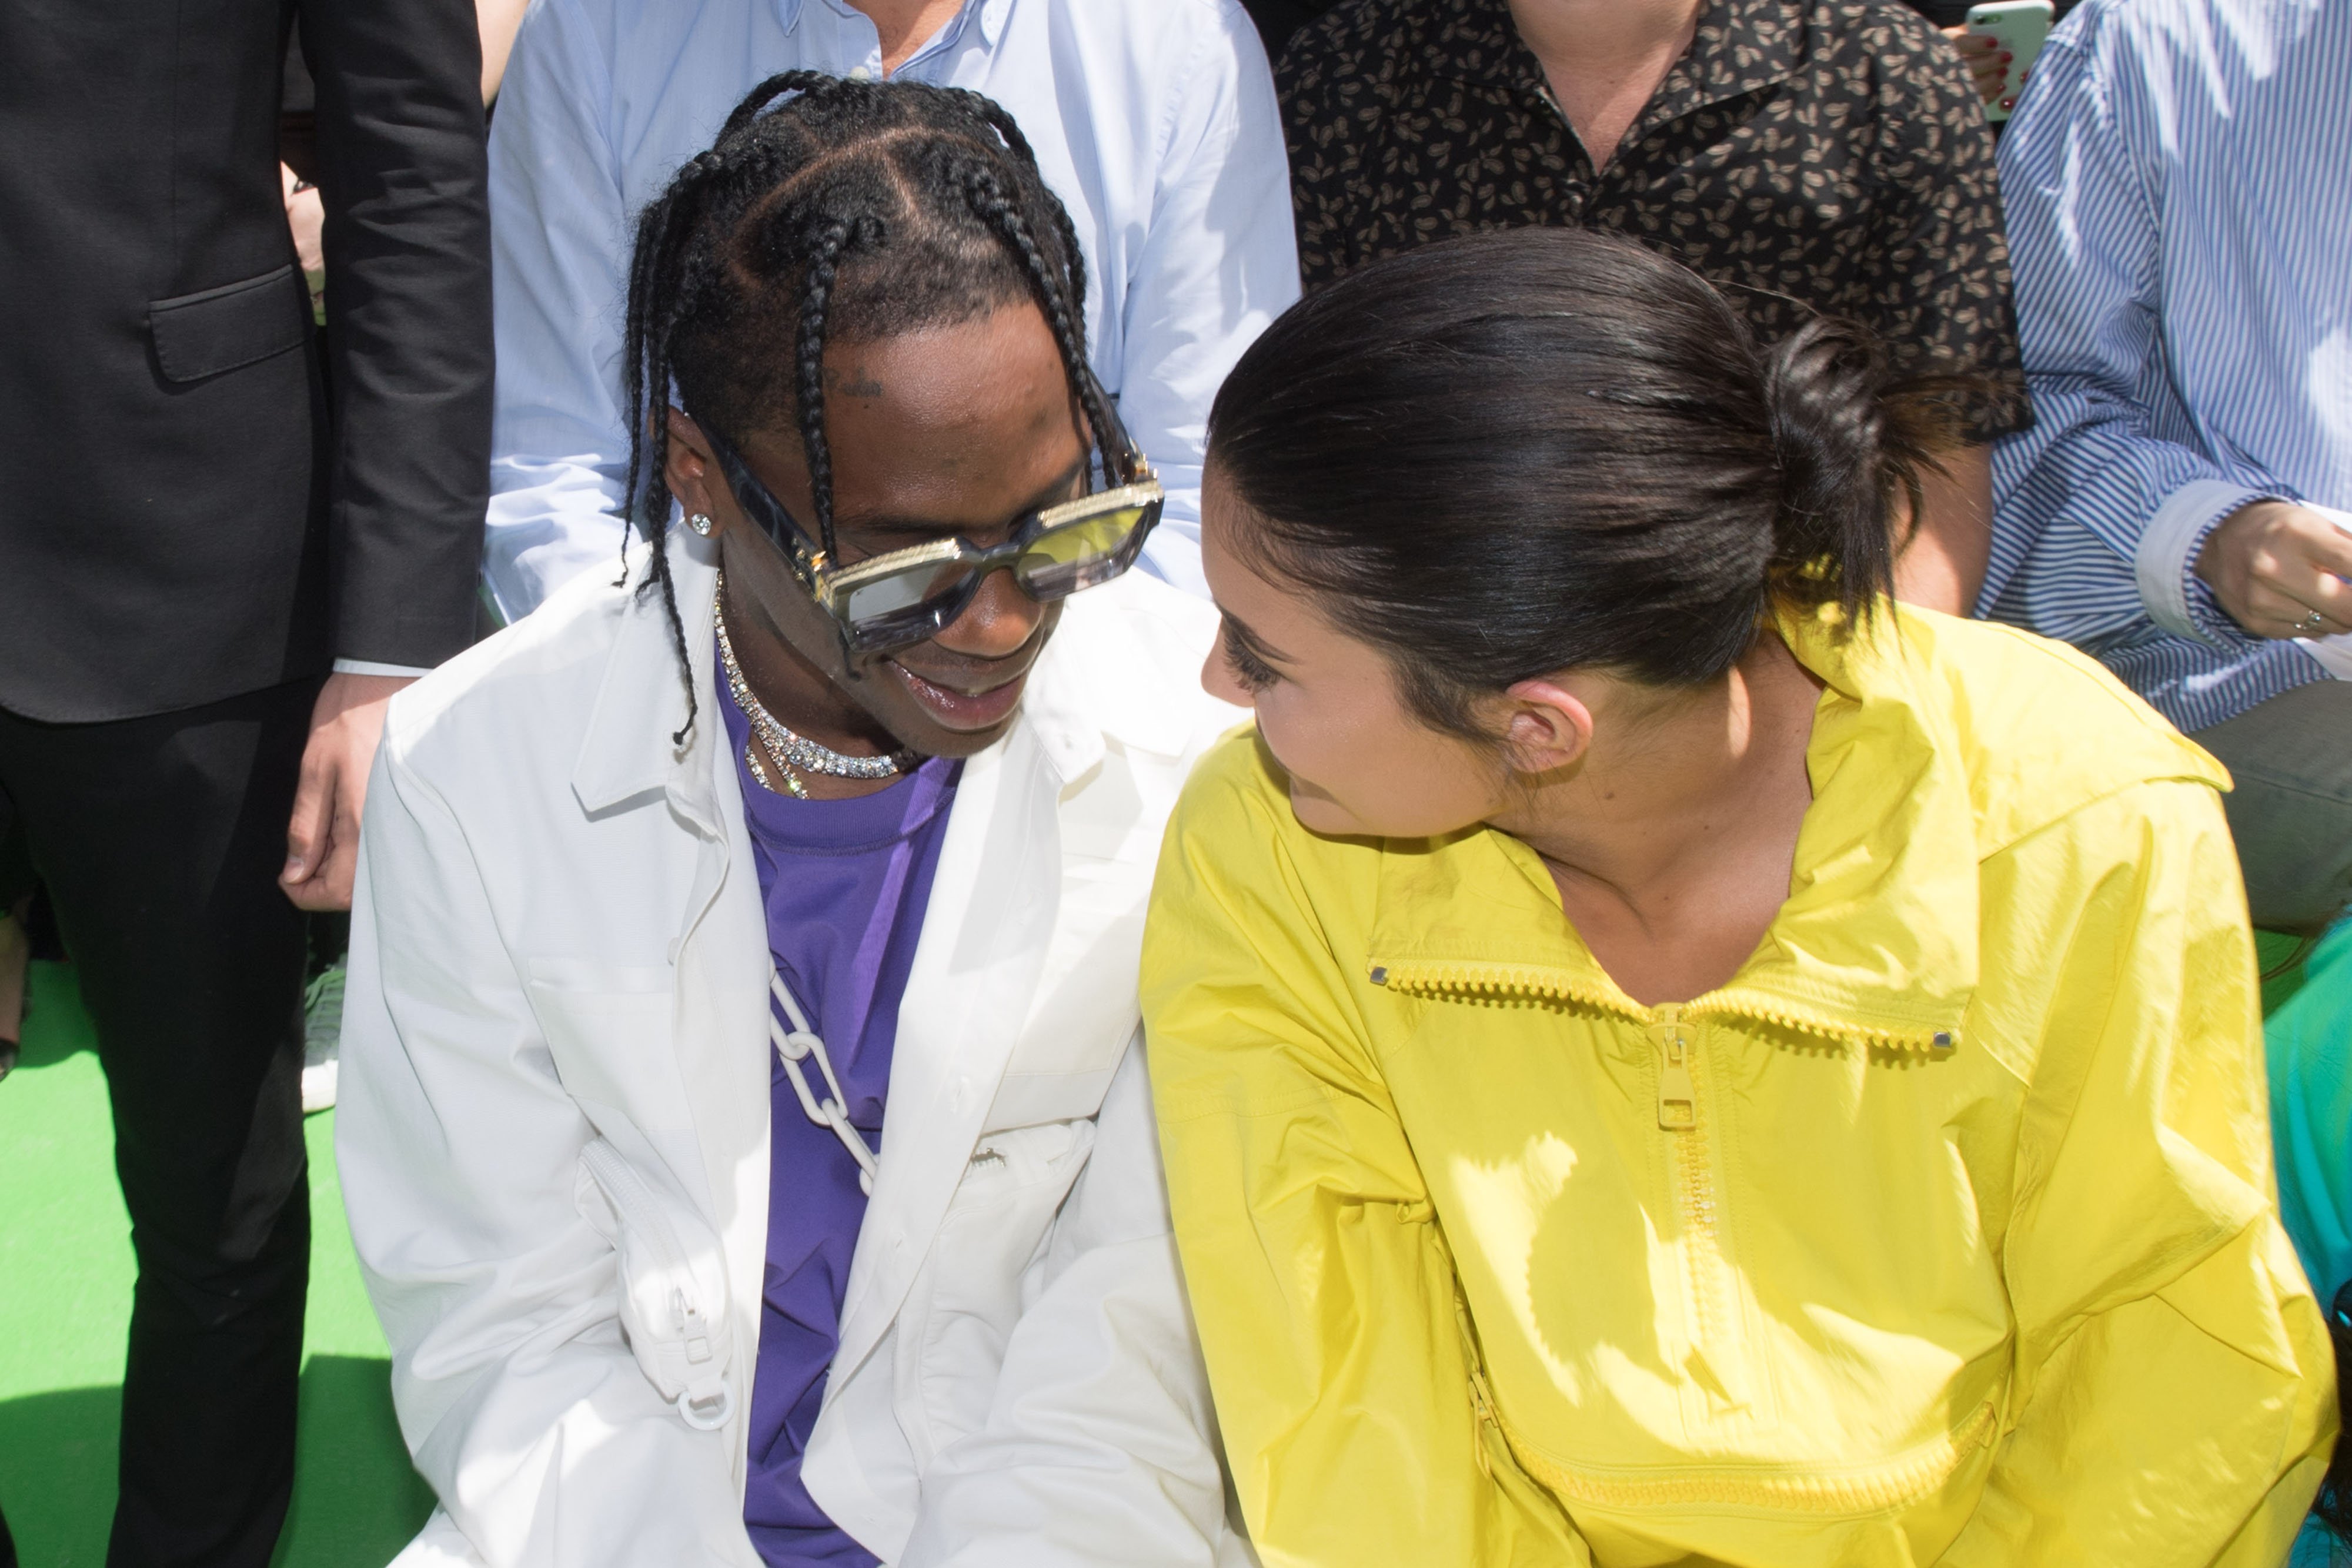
[
  {"x": 1547, "y": 727},
  {"x": 693, "y": 473}
]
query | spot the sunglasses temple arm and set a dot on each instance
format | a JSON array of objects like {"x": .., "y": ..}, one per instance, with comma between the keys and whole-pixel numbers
[{"x": 851, "y": 660}]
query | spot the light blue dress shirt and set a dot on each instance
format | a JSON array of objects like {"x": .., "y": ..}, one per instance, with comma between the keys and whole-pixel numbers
[
  {"x": 1154, "y": 121},
  {"x": 2178, "y": 186}
]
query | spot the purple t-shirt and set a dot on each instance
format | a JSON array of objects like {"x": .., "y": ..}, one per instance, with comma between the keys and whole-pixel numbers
[{"x": 846, "y": 884}]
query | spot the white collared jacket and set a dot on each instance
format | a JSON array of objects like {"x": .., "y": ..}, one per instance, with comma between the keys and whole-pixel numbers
[{"x": 555, "y": 1127}]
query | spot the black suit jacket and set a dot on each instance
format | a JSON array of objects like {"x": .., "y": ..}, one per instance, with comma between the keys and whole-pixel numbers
[{"x": 180, "y": 519}]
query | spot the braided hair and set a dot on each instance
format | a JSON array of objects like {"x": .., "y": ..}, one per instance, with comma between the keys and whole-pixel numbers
[{"x": 867, "y": 209}]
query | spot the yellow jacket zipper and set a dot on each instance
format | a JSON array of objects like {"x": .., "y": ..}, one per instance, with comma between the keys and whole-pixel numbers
[
  {"x": 1677, "y": 1093},
  {"x": 1430, "y": 977},
  {"x": 1673, "y": 1029},
  {"x": 1691, "y": 1178}
]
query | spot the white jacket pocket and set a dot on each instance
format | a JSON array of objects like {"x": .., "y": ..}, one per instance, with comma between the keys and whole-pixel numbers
[
  {"x": 673, "y": 1283},
  {"x": 987, "y": 1267}
]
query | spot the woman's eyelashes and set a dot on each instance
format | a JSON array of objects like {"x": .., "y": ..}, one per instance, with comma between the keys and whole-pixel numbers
[{"x": 1253, "y": 671}]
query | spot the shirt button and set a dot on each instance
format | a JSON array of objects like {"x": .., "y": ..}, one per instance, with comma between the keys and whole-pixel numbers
[{"x": 863, "y": 73}]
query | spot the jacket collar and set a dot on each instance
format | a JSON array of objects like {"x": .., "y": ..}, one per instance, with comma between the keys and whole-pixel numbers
[
  {"x": 1740, "y": 47},
  {"x": 1877, "y": 941},
  {"x": 1076, "y": 698},
  {"x": 628, "y": 750}
]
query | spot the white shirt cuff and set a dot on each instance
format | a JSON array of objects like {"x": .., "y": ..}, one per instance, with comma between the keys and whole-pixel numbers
[
  {"x": 366, "y": 667},
  {"x": 2169, "y": 547}
]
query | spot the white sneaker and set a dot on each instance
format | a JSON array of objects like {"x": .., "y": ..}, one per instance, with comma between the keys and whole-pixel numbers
[{"x": 322, "y": 1033}]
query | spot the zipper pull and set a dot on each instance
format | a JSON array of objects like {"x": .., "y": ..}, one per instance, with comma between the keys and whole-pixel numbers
[
  {"x": 1677, "y": 1095},
  {"x": 691, "y": 1327}
]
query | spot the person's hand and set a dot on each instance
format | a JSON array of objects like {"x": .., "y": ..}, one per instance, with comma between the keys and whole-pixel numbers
[
  {"x": 322, "y": 840},
  {"x": 306, "y": 220},
  {"x": 2275, "y": 565},
  {"x": 1987, "y": 61}
]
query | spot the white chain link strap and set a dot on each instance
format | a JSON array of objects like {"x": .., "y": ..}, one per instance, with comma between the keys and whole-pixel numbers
[{"x": 796, "y": 1045}]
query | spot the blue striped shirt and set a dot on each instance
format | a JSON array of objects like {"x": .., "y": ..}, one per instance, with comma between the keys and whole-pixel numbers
[{"x": 2179, "y": 187}]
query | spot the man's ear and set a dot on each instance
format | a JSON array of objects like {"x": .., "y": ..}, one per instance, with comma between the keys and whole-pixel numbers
[
  {"x": 691, "y": 470},
  {"x": 1547, "y": 727}
]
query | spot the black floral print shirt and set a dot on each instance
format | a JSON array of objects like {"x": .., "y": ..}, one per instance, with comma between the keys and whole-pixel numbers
[{"x": 1829, "y": 155}]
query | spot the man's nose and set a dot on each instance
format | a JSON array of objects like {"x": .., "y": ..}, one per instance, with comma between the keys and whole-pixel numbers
[{"x": 1000, "y": 620}]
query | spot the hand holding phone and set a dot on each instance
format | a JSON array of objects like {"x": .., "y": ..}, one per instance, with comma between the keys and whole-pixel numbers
[
  {"x": 2018, "y": 29},
  {"x": 1987, "y": 61}
]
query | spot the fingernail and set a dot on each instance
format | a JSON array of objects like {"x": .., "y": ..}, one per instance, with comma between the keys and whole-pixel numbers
[{"x": 294, "y": 867}]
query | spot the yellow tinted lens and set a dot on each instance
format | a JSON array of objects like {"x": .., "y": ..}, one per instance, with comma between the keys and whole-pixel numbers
[{"x": 1075, "y": 546}]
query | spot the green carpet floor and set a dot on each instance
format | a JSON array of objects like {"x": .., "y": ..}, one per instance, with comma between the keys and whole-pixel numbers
[{"x": 65, "y": 1302}]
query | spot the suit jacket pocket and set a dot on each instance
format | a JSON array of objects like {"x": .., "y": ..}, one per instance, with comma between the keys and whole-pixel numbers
[{"x": 216, "y": 330}]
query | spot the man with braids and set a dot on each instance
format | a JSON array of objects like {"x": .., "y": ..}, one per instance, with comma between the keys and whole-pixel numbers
[
  {"x": 745, "y": 1127},
  {"x": 1154, "y": 121}
]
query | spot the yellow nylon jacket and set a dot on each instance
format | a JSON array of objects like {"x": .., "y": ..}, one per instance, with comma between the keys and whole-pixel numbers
[{"x": 1944, "y": 1233}]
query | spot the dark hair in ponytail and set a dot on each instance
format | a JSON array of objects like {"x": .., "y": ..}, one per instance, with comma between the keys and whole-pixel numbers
[
  {"x": 850, "y": 209},
  {"x": 1546, "y": 448}
]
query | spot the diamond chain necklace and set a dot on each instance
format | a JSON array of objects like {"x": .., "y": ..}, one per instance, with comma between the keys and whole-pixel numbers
[{"x": 796, "y": 754}]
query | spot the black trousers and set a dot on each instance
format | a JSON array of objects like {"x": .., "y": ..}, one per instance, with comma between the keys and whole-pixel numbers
[{"x": 160, "y": 840}]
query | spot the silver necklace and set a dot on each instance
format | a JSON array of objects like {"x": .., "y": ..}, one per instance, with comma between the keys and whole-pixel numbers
[{"x": 794, "y": 753}]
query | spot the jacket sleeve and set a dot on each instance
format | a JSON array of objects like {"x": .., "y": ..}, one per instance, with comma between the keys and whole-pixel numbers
[
  {"x": 1099, "y": 1445},
  {"x": 404, "y": 187},
  {"x": 559, "y": 253},
  {"x": 1337, "y": 1342},
  {"x": 2098, "y": 519},
  {"x": 1219, "y": 264},
  {"x": 2172, "y": 1402},
  {"x": 459, "y": 1154}
]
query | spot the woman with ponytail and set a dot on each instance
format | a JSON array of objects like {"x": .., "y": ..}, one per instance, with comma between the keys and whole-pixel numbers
[
  {"x": 745, "y": 1130},
  {"x": 1662, "y": 1056}
]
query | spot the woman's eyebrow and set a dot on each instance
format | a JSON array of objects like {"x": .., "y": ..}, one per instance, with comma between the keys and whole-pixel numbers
[{"x": 1251, "y": 642}]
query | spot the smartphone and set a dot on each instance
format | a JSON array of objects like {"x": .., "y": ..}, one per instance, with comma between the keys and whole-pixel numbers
[{"x": 2020, "y": 26}]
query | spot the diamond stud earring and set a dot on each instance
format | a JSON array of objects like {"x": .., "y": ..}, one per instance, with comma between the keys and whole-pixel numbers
[{"x": 701, "y": 523}]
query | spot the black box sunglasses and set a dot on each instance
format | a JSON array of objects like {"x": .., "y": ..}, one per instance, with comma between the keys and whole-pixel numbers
[{"x": 906, "y": 596}]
